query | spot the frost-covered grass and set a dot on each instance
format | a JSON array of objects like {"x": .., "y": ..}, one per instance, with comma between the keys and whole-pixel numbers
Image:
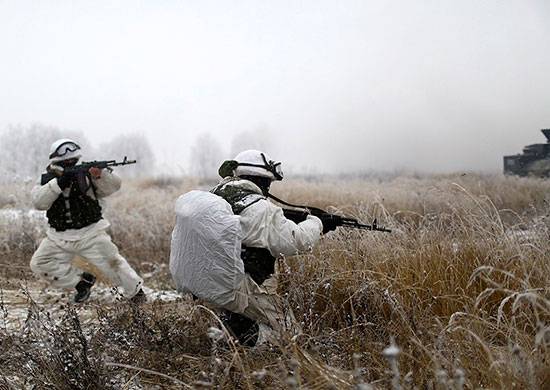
[{"x": 458, "y": 296}]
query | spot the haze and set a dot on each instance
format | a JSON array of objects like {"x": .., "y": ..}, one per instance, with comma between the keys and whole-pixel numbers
[{"x": 332, "y": 85}]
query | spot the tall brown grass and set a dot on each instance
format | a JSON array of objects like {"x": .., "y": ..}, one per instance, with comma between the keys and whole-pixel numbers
[{"x": 462, "y": 286}]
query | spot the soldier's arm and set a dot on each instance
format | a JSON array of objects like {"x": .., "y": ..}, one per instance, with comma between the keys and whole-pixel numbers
[
  {"x": 289, "y": 238},
  {"x": 107, "y": 184},
  {"x": 43, "y": 196},
  {"x": 268, "y": 226}
]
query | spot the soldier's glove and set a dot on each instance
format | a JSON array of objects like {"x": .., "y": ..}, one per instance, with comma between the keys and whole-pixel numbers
[
  {"x": 65, "y": 181},
  {"x": 55, "y": 169},
  {"x": 95, "y": 172},
  {"x": 295, "y": 216},
  {"x": 330, "y": 222}
]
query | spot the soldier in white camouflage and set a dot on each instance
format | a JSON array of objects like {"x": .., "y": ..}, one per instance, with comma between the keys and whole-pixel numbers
[
  {"x": 77, "y": 227},
  {"x": 266, "y": 235}
]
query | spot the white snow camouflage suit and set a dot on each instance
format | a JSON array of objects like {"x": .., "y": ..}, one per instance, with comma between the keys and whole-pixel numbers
[
  {"x": 264, "y": 226},
  {"x": 53, "y": 260}
]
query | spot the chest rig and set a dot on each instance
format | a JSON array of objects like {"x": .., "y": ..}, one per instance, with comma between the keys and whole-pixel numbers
[{"x": 75, "y": 210}]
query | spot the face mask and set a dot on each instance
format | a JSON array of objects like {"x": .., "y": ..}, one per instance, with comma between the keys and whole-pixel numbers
[{"x": 68, "y": 163}]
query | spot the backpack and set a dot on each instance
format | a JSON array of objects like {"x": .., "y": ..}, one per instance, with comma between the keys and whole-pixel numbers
[{"x": 205, "y": 253}]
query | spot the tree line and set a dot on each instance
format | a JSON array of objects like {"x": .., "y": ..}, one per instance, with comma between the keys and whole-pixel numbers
[{"x": 25, "y": 150}]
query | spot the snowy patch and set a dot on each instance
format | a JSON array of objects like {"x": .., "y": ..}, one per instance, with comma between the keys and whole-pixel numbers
[
  {"x": 161, "y": 295},
  {"x": 52, "y": 302},
  {"x": 11, "y": 215}
]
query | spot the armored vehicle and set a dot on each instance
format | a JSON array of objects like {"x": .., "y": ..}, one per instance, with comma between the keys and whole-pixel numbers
[{"x": 534, "y": 161}]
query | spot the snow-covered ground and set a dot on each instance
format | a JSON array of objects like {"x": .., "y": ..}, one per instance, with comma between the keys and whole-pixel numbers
[
  {"x": 15, "y": 303},
  {"x": 11, "y": 214}
]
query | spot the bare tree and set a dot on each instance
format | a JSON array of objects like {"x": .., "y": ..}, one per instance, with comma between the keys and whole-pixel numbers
[
  {"x": 25, "y": 149},
  {"x": 136, "y": 147},
  {"x": 206, "y": 156}
]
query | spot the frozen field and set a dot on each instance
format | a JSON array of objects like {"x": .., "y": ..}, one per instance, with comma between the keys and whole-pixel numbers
[{"x": 461, "y": 286}]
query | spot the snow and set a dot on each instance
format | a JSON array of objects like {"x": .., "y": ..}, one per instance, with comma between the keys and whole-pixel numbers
[
  {"x": 15, "y": 307},
  {"x": 11, "y": 214},
  {"x": 391, "y": 352}
]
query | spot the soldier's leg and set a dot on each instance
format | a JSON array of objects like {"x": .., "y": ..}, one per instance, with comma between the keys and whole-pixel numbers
[
  {"x": 242, "y": 327},
  {"x": 260, "y": 304},
  {"x": 54, "y": 264},
  {"x": 255, "y": 304},
  {"x": 102, "y": 253},
  {"x": 264, "y": 305}
]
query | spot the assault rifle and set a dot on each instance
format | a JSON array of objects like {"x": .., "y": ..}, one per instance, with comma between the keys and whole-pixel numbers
[
  {"x": 80, "y": 171},
  {"x": 299, "y": 213}
]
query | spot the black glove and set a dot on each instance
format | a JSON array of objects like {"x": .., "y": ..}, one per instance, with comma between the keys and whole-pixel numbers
[
  {"x": 330, "y": 222},
  {"x": 295, "y": 216},
  {"x": 65, "y": 181}
]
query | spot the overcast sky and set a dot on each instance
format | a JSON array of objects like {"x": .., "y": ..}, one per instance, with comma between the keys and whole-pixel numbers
[{"x": 339, "y": 85}]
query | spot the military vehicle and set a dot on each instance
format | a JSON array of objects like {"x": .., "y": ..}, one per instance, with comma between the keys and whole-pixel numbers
[{"x": 534, "y": 161}]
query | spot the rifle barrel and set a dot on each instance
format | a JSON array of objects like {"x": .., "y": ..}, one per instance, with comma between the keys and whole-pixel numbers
[{"x": 358, "y": 225}]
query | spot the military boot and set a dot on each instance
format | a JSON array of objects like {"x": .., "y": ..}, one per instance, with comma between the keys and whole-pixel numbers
[
  {"x": 83, "y": 288},
  {"x": 244, "y": 329},
  {"x": 139, "y": 298}
]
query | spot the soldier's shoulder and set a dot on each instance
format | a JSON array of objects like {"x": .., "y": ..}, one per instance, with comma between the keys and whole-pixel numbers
[{"x": 238, "y": 194}]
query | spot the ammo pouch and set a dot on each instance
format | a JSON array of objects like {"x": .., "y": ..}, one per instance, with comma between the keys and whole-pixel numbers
[
  {"x": 75, "y": 211},
  {"x": 258, "y": 263}
]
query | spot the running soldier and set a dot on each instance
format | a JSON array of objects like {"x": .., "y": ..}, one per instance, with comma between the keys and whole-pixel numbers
[{"x": 77, "y": 227}]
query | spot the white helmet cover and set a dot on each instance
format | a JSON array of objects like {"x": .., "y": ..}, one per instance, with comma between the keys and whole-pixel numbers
[
  {"x": 64, "y": 149},
  {"x": 255, "y": 163}
]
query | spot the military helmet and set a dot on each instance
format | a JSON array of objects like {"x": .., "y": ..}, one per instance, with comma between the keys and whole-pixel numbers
[
  {"x": 252, "y": 163},
  {"x": 64, "y": 149}
]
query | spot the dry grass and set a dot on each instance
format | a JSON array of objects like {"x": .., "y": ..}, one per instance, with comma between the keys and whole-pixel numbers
[{"x": 462, "y": 285}]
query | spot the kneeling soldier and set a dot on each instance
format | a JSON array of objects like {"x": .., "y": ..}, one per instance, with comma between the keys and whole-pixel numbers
[
  {"x": 77, "y": 227},
  {"x": 266, "y": 235}
]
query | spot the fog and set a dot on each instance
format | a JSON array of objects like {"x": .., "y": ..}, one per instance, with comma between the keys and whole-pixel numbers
[{"x": 326, "y": 86}]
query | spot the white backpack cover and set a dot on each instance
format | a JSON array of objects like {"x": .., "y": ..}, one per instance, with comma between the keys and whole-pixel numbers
[{"x": 205, "y": 255}]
